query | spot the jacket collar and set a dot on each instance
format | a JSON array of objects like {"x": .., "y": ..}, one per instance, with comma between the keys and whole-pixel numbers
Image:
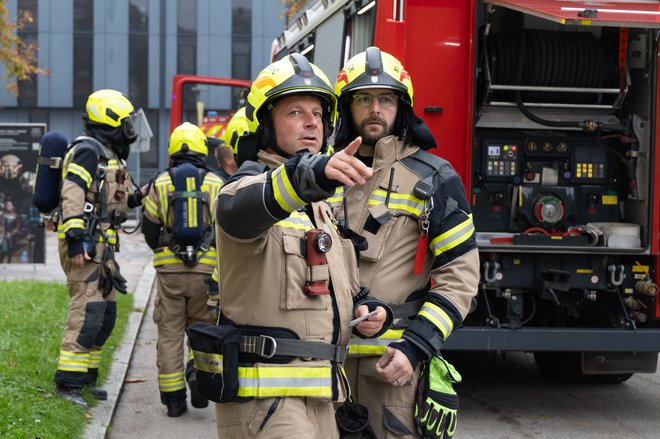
[{"x": 387, "y": 150}]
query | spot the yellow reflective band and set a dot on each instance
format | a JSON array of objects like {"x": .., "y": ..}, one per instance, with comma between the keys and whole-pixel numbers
[
  {"x": 214, "y": 276},
  {"x": 166, "y": 256},
  {"x": 171, "y": 382},
  {"x": 73, "y": 223},
  {"x": 360, "y": 347},
  {"x": 453, "y": 237},
  {"x": 267, "y": 382},
  {"x": 94, "y": 359},
  {"x": 150, "y": 207},
  {"x": 407, "y": 203},
  {"x": 192, "y": 203},
  {"x": 338, "y": 196},
  {"x": 73, "y": 361},
  {"x": 438, "y": 317},
  {"x": 297, "y": 220},
  {"x": 285, "y": 196},
  {"x": 112, "y": 236},
  {"x": 211, "y": 363},
  {"x": 80, "y": 172},
  {"x": 113, "y": 164},
  {"x": 163, "y": 187}
]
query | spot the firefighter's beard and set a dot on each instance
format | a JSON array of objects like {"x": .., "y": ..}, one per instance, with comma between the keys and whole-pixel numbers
[{"x": 372, "y": 129}]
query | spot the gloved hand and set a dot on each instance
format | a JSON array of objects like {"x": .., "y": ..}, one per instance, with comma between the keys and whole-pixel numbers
[
  {"x": 436, "y": 401},
  {"x": 110, "y": 278},
  {"x": 213, "y": 301}
]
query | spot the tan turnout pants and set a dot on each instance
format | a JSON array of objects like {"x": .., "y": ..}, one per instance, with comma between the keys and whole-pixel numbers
[
  {"x": 180, "y": 302},
  {"x": 277, "y": 418},
  {"x": 390, "y": 408}
]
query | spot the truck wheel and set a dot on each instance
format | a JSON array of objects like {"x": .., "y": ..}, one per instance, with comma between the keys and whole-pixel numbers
[{"x": 566, "y": 367}]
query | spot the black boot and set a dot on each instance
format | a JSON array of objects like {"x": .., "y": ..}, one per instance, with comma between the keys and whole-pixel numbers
[
  {"x": 90, "y": 381},
  {"x": 175, "y": 402},
  {"x": 196, "y": 399},
  {"x": 73, "y": 394}
]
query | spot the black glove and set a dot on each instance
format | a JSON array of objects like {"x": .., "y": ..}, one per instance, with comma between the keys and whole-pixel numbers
[{"x": 111, "y": 278}]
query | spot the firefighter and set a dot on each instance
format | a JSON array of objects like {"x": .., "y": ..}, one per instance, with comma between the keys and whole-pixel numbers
[
  {"x": 285, "y": 273},
  {"x": 94, "y": 191},
  {"x": 422, "y": 254},
  {"x": 178, "y": 226}
]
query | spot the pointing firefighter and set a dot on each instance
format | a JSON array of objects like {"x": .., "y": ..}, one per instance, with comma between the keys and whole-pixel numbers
[
  {"x": 422, "y": 254},
  {"x": 95, "y": 190},
  {"x": 287, "y": 277},
  {"x": 178, "y": 226}
]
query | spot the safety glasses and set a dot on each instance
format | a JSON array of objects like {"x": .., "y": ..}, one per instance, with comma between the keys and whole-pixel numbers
[{"x": 366, "y": 100}]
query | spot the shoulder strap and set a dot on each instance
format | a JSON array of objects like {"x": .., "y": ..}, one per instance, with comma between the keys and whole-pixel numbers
[
  {"x": 426, "y": 166},
  {"x": 93, "y": 144}
]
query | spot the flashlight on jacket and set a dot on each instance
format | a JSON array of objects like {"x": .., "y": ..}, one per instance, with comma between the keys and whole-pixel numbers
[{"x": 318, "y": 243}]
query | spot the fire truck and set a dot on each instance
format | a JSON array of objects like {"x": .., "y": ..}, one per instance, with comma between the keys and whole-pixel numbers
[
  {"x": 548, "y": 110},
  {"x": 207, "y": 102}
]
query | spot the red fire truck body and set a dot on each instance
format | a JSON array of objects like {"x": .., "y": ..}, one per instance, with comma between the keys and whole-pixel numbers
[{"x": 548, "y": 110}]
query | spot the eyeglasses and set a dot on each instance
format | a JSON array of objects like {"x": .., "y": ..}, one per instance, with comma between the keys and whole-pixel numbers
[{"x": 365, "y": 100}]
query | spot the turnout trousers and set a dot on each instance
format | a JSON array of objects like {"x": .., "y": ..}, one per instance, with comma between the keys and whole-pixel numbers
[
  {"x": 391, "y": 409},
  {"x": 90, "y": 322},
  {"x": 180, "y": 301},
  {"x": 276, "y": 418}
]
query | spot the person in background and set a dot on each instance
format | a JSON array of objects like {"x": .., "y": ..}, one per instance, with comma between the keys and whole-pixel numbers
[
  {"x": 178, "y": 225},
  {"x": 96, "y": 189}
]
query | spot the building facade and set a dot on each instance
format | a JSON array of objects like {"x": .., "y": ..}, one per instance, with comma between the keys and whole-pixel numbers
[{"x": 135, "y": 46}]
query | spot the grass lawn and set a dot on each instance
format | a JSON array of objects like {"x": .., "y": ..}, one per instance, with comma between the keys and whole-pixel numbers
[{"x": 32, "y": 316}]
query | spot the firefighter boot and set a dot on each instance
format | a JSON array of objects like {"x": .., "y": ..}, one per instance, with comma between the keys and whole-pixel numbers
[
  {"x": 73, "y": 394},
  {"x": 90, "y": 381},
  {"x": 196, "y": 399},
  {"x": 175, "y": 402}
]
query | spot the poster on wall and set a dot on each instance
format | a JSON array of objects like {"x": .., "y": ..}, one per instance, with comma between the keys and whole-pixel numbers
[{"x": 21, "y": 238}]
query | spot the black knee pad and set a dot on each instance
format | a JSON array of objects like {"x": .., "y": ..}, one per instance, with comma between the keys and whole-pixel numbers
[
  {"x": 108, "y": 324},
  {"x": 94, "y": 316}
]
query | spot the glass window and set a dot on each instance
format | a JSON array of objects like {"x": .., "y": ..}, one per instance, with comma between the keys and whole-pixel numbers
[
  {"x": 138, "y": 52},
  {"x": 83, "y": 51},
  {"x": 186, "y": 13},
  {"x": 359, "y": 33},
  {"x": 27, "y": 89},
  {"x": 241, "y": 43}
]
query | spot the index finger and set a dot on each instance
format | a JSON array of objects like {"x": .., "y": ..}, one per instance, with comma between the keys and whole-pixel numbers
[{"x": 352, "y": 147}]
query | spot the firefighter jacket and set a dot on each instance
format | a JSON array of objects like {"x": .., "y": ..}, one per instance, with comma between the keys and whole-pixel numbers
[
  {"x": 96, "y": 190},
  {"x": 263, "y": 218},
  {"x": 394, "y": 219},
  {"x": 159, "y": 224}
]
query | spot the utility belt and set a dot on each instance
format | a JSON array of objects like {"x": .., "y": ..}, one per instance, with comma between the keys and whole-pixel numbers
[
  {"x": 236, "y": 364},
  {"x": 363, "y": 347}
]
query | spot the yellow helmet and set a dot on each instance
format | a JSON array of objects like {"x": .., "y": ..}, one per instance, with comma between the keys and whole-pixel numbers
[
  {"x": 187, "y": 139},
  {"x": 290, "y": 75},
  {"x": 374, "y": 68},
  {"x": 108, "y": 107},
  {"x": 238, "y": 124}
]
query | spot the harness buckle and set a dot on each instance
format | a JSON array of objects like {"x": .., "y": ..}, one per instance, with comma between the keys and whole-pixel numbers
[{"x": 262, "y": 350}]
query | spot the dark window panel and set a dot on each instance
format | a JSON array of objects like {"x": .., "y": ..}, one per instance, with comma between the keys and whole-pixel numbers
[
  {"x": 138, "y": 53},
  {"x": 83, "y": 68},
  {"x": 138, "y": 16},
  {"x": 186, "y": 13},
  {"x": 83, "y": 15}
]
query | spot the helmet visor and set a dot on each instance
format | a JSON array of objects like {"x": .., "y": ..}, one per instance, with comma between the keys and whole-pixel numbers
[{"x": 129, "y": 125}]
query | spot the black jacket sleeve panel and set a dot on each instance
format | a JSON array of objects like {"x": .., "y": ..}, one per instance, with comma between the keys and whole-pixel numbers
[
  {"x": 82, "y": 168},
  {"x": 250, "y": 203},
  {"x": 451, "y": 230},
  {"x": 151, "y": 232}
]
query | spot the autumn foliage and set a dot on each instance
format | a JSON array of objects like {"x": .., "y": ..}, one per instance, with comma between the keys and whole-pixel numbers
[{"x": 18, "y": 57}]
